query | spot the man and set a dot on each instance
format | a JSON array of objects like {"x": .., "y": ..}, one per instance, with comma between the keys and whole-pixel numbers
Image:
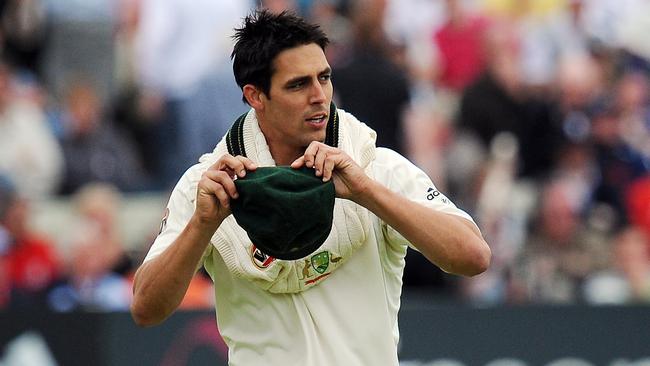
[{"x": 326, "y": 308}]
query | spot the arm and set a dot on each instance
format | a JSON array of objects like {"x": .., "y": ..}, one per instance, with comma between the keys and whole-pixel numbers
[
  {"x": 160, "y": 284},
  {"x": 450, "y": 242}
]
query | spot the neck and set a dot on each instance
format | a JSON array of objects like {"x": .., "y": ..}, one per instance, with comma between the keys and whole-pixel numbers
[{"x": 282, "y": 152}]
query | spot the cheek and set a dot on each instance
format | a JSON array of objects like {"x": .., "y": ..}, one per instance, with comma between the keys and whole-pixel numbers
[{"x": 289, "y": 110}]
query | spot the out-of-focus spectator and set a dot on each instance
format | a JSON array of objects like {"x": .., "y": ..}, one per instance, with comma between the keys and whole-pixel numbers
[
  {"x": 460, "y": 47},
  {"x": 94, "y": 150},
  {"x": 363, "y": 78},
  {"x": 97, "y": 208},
  {"x": 618, "y": 164},
  {"x": 547, "y": 38},
  {"x": 413, "y": 21},
  {"x": 638, "y": 203},
  {"x": 22, "y": 25},
  {"x": 604, "y": 20},
  {"x": 133, "y": 111},
  {"x": 97, "y": 259},
  {"x": 633, "y": 104},
  {"x": 79, "y": 42},
  {"x": 29, "y": 151},
  {"x": 580, "y": 82},
  {"x": 628, "y": 280},
  {"x": 560, "y": 253},
  {"x": 30, "y": 262},
  {"x": 182, "y": 56},
  {"x": 635, "y": 29},
  {"x": 327, "y": 13},
  {"x": 496, "y": 102},
  {"x": 90, "y": 284}
]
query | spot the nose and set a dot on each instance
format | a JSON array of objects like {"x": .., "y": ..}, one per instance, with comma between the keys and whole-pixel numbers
[{"x": 318, "y": 94}]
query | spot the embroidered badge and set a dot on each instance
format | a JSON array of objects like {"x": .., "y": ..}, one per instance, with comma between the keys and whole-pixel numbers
[
  {"x": 321, "y": 261},
  {"x": 260, "y": 259},
  {"x": 305, "y": 270}
]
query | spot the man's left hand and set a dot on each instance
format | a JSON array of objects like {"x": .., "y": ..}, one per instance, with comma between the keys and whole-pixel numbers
[{"x": 350, "y": 181}]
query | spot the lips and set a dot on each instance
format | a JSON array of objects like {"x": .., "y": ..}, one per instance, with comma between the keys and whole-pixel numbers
[{"x": 317, "y": 118}]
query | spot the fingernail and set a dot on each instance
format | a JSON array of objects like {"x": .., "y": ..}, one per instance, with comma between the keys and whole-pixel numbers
[
  {"x": 236, "y": 195},
  {"x": 242, "y": 173}
]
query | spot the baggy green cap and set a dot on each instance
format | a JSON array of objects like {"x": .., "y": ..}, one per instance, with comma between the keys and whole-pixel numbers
[{"x": 287, "y": 213}]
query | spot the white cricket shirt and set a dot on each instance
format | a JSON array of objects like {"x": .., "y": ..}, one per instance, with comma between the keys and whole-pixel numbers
[{"x": 349, "y": 318}]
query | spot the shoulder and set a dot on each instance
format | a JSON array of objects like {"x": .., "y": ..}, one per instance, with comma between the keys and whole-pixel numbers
[
  {"x": 355, "y": 130},
  {"x": 399, "y": 174},
  {"x": 390, "y": 162},
  {"x": 188, "y": 182},
  {"x": 348, "y": 119}
]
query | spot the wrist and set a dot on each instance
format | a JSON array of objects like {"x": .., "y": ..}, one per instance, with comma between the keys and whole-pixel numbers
[
  {"x": 364, "y": 195},
  {"x": 205, "y": 225}
]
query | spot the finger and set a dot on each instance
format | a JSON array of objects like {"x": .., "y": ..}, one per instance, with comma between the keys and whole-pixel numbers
[
  {"x": 219, "y": 163},
  {"x": 248, "y": 163},
  {"x": 222, "y": 165},
  {"x": 218, "y": 191},
  {"x": 298, "y": 162},
  {"x": 328, "y": 166},
  {"x": 222, "y": 178},
  {"x": 310, "y": 154},
  {"x": 233, "y": 165},
  {"x": 319, "y": 160}
]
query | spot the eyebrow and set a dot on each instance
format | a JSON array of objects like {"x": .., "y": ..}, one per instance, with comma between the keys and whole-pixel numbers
[{"x": 298, "y": 79}]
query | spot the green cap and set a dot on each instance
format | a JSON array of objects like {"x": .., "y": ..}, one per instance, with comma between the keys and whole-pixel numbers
[{"x": 287, "y": 213}]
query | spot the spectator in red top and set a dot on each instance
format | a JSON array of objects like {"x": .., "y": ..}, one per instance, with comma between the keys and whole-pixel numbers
[
  {"x": 460, "y": 47},
  {"x": 30, "y": 263}
]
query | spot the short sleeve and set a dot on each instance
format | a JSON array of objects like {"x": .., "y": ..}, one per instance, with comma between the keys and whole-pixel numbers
[{"x": 401, "y": 176}]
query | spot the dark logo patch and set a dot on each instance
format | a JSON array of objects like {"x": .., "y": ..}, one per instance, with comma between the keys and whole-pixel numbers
[
  {"x": 260, "y": 259},
  {"x": 432, "y": 193}
]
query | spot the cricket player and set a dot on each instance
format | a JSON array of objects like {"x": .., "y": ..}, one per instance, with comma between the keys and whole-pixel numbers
[{"x": 337, "y": 305}]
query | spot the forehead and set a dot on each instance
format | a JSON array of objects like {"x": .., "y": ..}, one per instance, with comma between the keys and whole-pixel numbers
[{"x": 299, "y": 61}]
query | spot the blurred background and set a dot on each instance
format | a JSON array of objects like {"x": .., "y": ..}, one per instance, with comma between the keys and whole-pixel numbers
[{"x": 531, "y": 115}]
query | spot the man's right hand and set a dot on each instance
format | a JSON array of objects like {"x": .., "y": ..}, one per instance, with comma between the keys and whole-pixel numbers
[{"x": 217, "y": 187}]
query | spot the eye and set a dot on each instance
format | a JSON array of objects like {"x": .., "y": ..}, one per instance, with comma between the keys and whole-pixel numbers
[
  {"x": 325, "y": 77},
  {"x": 295, "y": 86}
]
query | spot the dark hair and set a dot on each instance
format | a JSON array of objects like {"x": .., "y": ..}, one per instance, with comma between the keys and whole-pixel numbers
[{"x": 261, "y": 38}]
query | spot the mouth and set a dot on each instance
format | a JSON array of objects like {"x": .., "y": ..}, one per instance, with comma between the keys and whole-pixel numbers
[{"x": 317, "y": 119}]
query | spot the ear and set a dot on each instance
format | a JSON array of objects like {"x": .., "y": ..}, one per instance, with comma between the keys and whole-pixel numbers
[{"x": 254, "y": 96}]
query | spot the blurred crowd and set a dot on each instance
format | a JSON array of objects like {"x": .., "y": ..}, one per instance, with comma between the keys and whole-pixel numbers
[{"x": 532, "y": 115}]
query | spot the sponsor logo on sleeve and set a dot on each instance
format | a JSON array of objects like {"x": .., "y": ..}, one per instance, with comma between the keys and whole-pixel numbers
[{"x": 434, "y": 194}]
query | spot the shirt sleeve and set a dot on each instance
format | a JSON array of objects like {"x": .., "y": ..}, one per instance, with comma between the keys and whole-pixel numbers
[
  {"x": 178, "y": 212},
  {"x": 401, "y": 176}
]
